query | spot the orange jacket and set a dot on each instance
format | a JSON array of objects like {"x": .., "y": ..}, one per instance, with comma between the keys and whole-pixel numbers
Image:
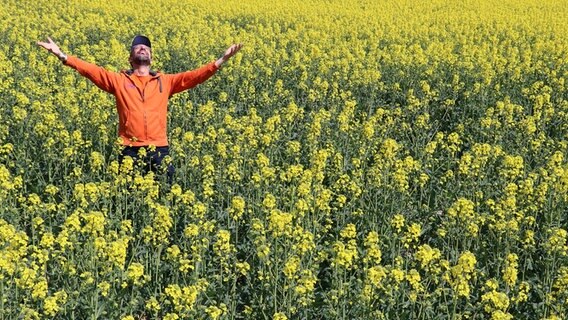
[{"x": 142, "y": 111}]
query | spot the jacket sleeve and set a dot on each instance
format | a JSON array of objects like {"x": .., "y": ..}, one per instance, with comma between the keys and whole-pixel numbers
[
  {"x": 189, "y": 79},
  {"x": 101, "y": 77}
]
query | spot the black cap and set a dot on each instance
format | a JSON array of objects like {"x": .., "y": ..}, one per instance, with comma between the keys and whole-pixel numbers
[{"x": 139, "y": 39}]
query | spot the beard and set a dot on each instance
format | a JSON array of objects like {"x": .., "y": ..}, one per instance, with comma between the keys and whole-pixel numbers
[{"x": 141, "y": 60}]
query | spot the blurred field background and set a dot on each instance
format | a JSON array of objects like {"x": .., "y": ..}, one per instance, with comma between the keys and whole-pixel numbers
[{"x": 355, "y": 160}]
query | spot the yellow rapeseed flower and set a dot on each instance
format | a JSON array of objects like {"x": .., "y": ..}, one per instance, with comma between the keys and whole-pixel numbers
[{"x": 135, "y": 273}]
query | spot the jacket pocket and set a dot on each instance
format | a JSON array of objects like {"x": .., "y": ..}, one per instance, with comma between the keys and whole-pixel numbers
[
  {"x": 135, "y": 126},
  {"x": 157, "y": 123}
]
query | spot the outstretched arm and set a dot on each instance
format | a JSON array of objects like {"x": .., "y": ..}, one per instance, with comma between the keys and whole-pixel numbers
[
  {"x": 53, "y": 48},
  {"x": 102, "y": 78},
  {"x": 189, "y": 79},
  {"x": 228, "y": 53}
]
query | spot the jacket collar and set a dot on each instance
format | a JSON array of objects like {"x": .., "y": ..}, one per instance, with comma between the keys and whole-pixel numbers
[
  {"x": 131, "y": 72},
  {"x": 153, "y": 74}
]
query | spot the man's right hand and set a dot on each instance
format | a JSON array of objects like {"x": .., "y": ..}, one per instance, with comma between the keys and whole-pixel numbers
[{"x": 53, "y": 48}]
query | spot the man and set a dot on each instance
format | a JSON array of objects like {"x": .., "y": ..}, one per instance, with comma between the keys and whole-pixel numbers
[{"x": 142, "y": 97}]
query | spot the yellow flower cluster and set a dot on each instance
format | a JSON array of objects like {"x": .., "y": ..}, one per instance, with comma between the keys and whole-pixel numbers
[{"x": 462, "y": 273}]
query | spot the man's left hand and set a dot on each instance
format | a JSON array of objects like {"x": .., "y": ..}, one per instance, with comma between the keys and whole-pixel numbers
[{"x": 228, "y": 53}]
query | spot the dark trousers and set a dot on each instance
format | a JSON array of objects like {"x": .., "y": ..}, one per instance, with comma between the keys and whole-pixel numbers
[{"x": 152, "y": 161}]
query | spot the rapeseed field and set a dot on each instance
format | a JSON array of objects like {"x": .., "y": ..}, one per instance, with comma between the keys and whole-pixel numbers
[{"x": 357, "y": 159}]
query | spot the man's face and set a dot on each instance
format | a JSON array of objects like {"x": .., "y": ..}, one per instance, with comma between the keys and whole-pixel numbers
[{"x": 141, "y": 55}]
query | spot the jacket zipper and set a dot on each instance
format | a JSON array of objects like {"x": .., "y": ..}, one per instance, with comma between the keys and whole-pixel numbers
[
  {"x": 145, "y": 113},
  {"x": 141, "y": 92}
]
